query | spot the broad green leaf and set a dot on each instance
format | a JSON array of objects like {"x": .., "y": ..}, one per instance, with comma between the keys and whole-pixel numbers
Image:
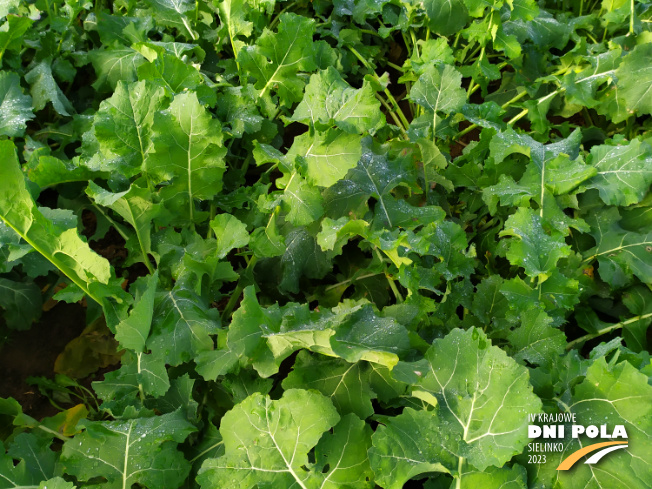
[
  {"x": 446, "y": 17},
  {"x": 503, "y": 478},
  {"x": 237, "y": 108},
  {"x": 638, "y": 300},
  {"x": 123, "y": 29},
  {"x": 135, "y": 206},
  {"x": 47, "y": 171},
  {"x": 171, "y": 73},
  {"x": 411, "y": 444},
  {"x": 139, "y": 372},
  {"x": 620, "y": 253},
  {"x": 536, "y": 340},
  {"x": 635, "y": 79},
  {"x": 327, "y": 156},
  {"x": 277, "y": 58},
  {"x": 29, "y": 470},
  {"x": 375, "y": 175},
  {"x": 266, "y": 442},
  {"x": 132, "y": 333},
  {"x": 439, "y": 90},
  {"x": 330, "y": 101},
  {"x": 182, "y": 325},
  {"x": 346, "y": 384},
  {"x": 12, "y": 32},
  {"x": 21, "y": 302},
  {"x": 335, "y": 234},
  {"x": 342, "y": 456},
  {"x": 365, "y": 336},
  {"x": 582, "y": 86},
  {"x": 544, "y": 30},
  {"x": 62, "y": 247},
  {"x": 484, "y": 396},
  {"x": 233, "y": 19},
  {"x": 230, "y": 233},
  {"x": 304, "y": 202},
  {"x": 531, "y": 247},
  {"x": 56, "y": 483},
  {"x": 115, "y": 64},
  {"x": 557, "y": 294},
  {"x": 624, "y": 173},
  {"x": 15, "y": 108},
  {"x": 612, "y": 395},
  {"x": 123, "y": 125},
  {"x": 136, "y": 451},
  {"x": 174, "y": 13},
  {"x": 45, "y": 89},
  {"x": 302, "y": 257},
  {"x": 36, "y": 459},
  {"x": 266, "y": 241},
  {"x": 187, "y": 151}
]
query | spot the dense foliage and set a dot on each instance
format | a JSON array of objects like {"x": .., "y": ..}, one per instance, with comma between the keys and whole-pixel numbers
[{"x": 364, "y": 239}]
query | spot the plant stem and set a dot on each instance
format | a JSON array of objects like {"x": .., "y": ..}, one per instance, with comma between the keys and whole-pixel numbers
[
  {"x": 226, "y": 314},
  {"x": 389, "y": 95},
  {"x": 607, "y": 329},
  {"x": 397, "y": 121}
]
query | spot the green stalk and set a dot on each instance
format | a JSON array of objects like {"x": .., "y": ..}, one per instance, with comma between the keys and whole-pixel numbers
[
  {"x": 504, "y": 106},
  {"x": 389, "y": 95},
  {"x": 226, "y": 314},
  {"x": 607, "y": 329}
]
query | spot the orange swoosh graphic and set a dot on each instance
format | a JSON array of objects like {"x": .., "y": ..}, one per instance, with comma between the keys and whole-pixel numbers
[{"x": 575, "y": 456}]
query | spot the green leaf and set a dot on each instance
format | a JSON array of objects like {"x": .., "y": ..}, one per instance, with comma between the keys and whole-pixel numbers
[
  {"x": 233, "y": 19},
  {"x": 303, "y": 201},
  {"x": 342, "y": 456},
  {"x": 36, "y": 458},
  {"x": 446, "y": 18},
  {"x": 620, "y": 253},
  {"x": 115, "y": 64},
  {"x": 47, "y": 171},
  {"x": 439, "y": 90},
  {"x": 536, "y": 340},
  {"x": 62, "y": 247},
  {"x": 135, "y": 206},
  {"x": 365, "y": 336},
  {"x": 45, "y": 89},
  {"x": 15, "y": 108},
  {"x": 21, "y": 302},
  {"x": 330, "y": 101},
  {"x": 346, "y": 384},
  {"x": 174, "y": 13},
  {"x": 230, "y": 233},
  {"x": 182, "y": 325},
  {"x": 503, "y": 478},
  {"x": 277, "y": 58},
  {"x": 411, "y": 444},
  {"x": 139, "y": 372},
  {"x": 188, "y": 151},
  {"x": 136, "y": 451},
  {"x": 624, "y": 173},
  {"x": 29, "y": 471},
  {"x": 609, "y": 395},
  {"x": 123, "y": 125},
  {"x": 302, "y": 257},
  {"x": 532, "y": 248},
  {"x": 12, "y": 32},
  {"x": 267, "y": 442},
  {"x": 267, "y": 242},
  {"x": 132, "y": 333},
  {"x": 486, "y": 410},
  {"x": 635, "y": 80},
  {"x": 327, "y": 156}
]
